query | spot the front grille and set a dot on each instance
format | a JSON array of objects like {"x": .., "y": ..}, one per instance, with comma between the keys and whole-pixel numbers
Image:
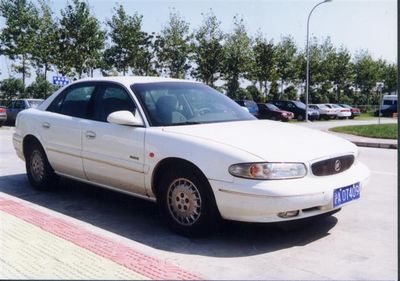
[{"x": 332, "y": 166}]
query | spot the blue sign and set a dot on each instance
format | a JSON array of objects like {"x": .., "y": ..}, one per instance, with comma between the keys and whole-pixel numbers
[{"x": 60, "y": 80}]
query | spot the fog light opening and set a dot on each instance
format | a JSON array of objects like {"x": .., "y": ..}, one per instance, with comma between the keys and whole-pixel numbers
[{"x": 288, "y": 214}]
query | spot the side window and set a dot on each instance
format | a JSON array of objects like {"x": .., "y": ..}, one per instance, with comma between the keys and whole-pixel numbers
[
  {"x": 74, "y": 103},
  {"x": 290, "y": 105},
  {"x": 19, "y": 104},
  {"x": 114, "y": 98}
]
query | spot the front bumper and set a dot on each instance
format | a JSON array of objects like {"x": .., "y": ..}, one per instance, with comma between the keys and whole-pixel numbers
[
  {"x": 261, "y": 201},
  {"x": 17, "y": 142}
]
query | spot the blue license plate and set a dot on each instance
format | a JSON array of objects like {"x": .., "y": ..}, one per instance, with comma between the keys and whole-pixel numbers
[{"x": 346, "y": 194}]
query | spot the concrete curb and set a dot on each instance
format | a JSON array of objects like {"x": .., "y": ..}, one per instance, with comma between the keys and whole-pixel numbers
[{"x": 376, "y": 145}]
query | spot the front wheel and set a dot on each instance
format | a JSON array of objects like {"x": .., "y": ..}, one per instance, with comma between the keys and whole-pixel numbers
[
  {"x": 187, "y": 202},
  {"x": 40, "y": 174},
  {"x": 300, "y": 117}
]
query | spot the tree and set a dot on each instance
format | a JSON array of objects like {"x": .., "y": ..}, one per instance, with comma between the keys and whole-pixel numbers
[
  {"x": 341, "y": 72},
  {"x": 45, "y": 40},
  {"x": 173, "y": 47},
  {"x": 285, "y": 55},
  {"x": 18, "y": 35},
  {"x": 263, "y": 63},
  {"x": 366, "y": 72},
  {"x": 80, "y": 40},
  {"x": 208, "y": 51},
  {"x": 237, "y": 57},
  {"x": 12, "y": 88},
  {"x": 388, "y": 75},
  {"x": 130, "y": 45},
  {"x": 40, "y": 88}
]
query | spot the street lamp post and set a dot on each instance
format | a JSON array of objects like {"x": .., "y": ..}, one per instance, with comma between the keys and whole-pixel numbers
[{"x": 308, "y": 54}]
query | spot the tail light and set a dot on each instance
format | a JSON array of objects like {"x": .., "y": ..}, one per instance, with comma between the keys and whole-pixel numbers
[
  {"x": 344, "y": 110},
  {"x": 2, "y": 110}
]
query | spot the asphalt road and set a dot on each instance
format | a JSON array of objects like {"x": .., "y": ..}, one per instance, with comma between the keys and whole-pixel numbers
[{"x": 358, "y": 243}]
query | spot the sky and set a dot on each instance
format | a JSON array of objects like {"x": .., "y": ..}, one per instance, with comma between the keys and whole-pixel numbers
[{"x": 353, "y": 24}]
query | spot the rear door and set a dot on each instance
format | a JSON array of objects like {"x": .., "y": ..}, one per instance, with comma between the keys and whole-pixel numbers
[
  {"x": 60, "y": 128},
  {"x": 113, "y": 155}
]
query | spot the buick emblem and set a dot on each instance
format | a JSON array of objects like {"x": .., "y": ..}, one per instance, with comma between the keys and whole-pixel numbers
[{"x": 338, "y": 165}]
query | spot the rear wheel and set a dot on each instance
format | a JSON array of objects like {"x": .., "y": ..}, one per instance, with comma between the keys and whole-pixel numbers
[
  {"x": 40, "y": 174},
  {"x": 187, "y": 202},
  {"x": 300, "y": 117}
]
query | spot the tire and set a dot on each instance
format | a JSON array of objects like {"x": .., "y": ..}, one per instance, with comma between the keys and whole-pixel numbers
[
  {"x": 351, "y": 116},
  {"x": 300, "y": 117},
  {"x": 187, "y": 202},
  {"x": 40, "y": 174}
]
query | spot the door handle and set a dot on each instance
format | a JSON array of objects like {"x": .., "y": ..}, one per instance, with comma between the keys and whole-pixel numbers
[
  {"x": 90, "y": 135},
  {"x": 46, "y": 125}
]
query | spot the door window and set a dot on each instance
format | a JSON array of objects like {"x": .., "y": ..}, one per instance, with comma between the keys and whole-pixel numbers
[
  {"x": 75, "y": 102},
  {"x": 113, "y": 98}
]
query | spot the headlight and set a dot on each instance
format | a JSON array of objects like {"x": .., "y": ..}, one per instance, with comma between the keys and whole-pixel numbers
[{"x": 268, "y": 171}]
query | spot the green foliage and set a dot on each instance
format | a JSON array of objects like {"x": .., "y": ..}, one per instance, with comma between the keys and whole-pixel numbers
[
  {"x": 173, "y": 47},
  {"x": 366, "y": 73},
  {"x": 80, "y": 40},
  {"x": 18, "y": 35},
  {"x": 285, "y": 60},
  {"x": 129, "y": 44},
  {"x": 11, "y": 88},
  {"x": 207, "y": 50},
  {"x": 40, "y": 88},
  {"x": 237, "y": 58},
  {"x": 262, "y": 63},
  {"x": 254, "y": 94},
  {"x": 45, "y": 40}
]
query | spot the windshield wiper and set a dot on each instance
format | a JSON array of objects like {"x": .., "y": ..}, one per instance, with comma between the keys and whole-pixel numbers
[{"x": 185, "y": 123}]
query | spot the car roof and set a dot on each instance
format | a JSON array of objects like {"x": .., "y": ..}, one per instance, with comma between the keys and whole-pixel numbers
[{"x": 129, "y": 80}]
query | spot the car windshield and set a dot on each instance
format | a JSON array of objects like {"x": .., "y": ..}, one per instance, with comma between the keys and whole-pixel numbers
[
  {"x": 185, "y": 103},
  {"x": 34, "y": 103},
  {"x": 336, "y": 106},
  {"x": 322, "y": 106},
  {"x": 300, "y": 104},
  {"x": 271, "y": 106},
  {"x": 345, "y": 105}
]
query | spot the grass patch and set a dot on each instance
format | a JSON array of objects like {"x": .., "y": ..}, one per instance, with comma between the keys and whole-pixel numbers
[{"x": 382, "y": 131}]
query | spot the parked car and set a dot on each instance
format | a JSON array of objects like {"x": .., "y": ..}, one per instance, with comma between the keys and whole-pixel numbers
[
  {"x": 15, "y": 106},
  {"x": 270, "y": 111},
  {"x": 298, "y": 108},
  {"x": 354, "y": 110},
  {"x": 341, "y": 112},
  {"x": 189, "y": 148},
  {"x": 324, "y": 111},
  {"x": 250, "y": 105},
  {"x": 387, "y": 110},
  {"x": 3, "y": 115}
]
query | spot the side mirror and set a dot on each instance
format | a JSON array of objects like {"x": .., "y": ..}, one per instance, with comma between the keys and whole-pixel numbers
[{"x": 124, "y": 117}]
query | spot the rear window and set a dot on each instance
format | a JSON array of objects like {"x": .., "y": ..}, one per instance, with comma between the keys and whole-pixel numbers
[{"x": 34, "y": 103}]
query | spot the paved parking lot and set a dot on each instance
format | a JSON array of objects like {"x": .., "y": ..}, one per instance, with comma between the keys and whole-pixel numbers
[{"x": 358, "y": 243}]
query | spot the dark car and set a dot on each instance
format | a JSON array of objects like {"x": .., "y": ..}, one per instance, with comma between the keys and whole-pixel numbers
[
  {"x": 250, "y": 105},
  {"x": 298, "y": 108},
  {"x": 15, "y": 106},
  {"x": 387, "y": 110},
  {"x": 270, "y": 111},
  {"x": 354, "y": 110}
]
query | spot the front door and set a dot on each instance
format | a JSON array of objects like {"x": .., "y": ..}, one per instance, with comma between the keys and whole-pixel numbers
[{"x": 113, "y": 155}]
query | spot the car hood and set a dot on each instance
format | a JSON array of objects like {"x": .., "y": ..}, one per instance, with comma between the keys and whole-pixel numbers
[{"x": 269, "y": 140}]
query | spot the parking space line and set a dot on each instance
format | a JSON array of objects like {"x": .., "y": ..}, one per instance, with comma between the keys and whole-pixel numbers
[{"x": 126, "y": 256}]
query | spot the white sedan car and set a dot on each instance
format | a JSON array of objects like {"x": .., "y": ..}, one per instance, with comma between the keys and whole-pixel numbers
[
  {"x": 341, "y": 112},
  {"x": 191, "y": 149}
]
